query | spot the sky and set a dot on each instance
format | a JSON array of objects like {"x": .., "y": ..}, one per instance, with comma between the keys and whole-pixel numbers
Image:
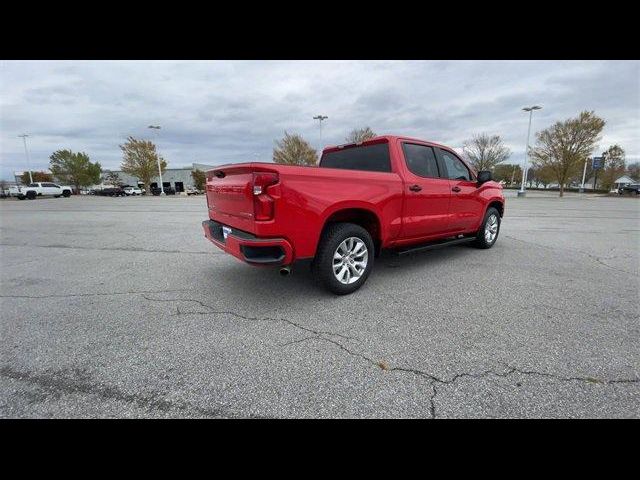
[{"x": 217, "y": 112}]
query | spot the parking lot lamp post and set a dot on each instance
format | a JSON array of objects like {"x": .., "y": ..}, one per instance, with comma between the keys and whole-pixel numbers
[
  {"x": 584, "y": 172},
  {"x": 521, "y": 192},
  {"x": 26, "y": 152},
  {"x": 157, "y": 129},
  {"x": 320, "y": 118}
]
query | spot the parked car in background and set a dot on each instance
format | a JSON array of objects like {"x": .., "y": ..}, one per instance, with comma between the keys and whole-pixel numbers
[
  {"x": 167, "y": 190},
  {"x": 193, "y": 191},
  {"x": 388, "y": 192},
  {"x": 631, "y": 189},
  {"x": 111, "y": 192},
  {"x": 40, "y": 189},
  {"x": 129, "y": 190}
]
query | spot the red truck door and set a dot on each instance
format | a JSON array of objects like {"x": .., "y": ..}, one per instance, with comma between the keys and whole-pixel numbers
[
  {"x": 427, "y": 193},
  {"x": 466, "y": 207}
]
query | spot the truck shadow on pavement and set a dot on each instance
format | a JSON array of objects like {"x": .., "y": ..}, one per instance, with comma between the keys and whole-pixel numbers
[{"x": 265, "y": 284}]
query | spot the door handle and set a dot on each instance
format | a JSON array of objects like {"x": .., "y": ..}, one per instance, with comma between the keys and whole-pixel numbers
[
  {"x": 415, "y": 188},
  {"x": 456, "y": 189}
]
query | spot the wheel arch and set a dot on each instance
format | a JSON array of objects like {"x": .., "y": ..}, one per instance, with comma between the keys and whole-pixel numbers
[
  {"x": 363, "y": 216},
  {"x": 498, "y": 204}
]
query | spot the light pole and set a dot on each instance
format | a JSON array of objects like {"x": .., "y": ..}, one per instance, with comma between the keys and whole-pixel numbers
[
  {"x": 157, "y": 129},
  {"x": 521, "y": 192},
  {"x": 320, "y": 118},
  {"x": 26, "y": 152},
  {"x": 584, "y": 172}
]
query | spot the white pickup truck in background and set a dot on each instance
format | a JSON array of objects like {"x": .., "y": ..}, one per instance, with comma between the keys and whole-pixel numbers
[{"x": 38, "y": 189}]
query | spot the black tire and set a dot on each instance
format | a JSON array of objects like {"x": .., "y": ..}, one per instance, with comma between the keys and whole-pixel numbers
[
  {"x": 322, "y": 266},
  {"x": 481, "y": 241},
  {"x": 66, "y": 193},
  {"x": 31, "y": 195}
]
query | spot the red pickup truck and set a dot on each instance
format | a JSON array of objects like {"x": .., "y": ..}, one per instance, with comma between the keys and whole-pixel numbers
[{"x": 389, "y": 192}]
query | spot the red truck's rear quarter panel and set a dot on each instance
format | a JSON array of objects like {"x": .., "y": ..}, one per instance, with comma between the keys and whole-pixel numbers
[{"x": 304, "y": 199}]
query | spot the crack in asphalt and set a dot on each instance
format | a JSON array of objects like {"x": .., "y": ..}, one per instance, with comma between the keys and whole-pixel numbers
[
  {"x": 595, "y": 258},
  {"x": 213, "y": 311},
  {"x": 433, "y": 379},
  {"x": 59, "y": 382}
]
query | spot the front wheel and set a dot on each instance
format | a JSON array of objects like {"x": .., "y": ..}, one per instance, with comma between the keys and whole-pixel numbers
[
  {"x": 489, "y": 229},
  {"x": 344, "y": 259},
  {"x": 66, "y": 194}
]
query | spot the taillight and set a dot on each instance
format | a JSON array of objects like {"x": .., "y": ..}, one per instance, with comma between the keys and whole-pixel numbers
[{"x": 262, "y": 202}]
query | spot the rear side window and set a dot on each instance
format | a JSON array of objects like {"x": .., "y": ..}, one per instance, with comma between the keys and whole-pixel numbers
[
  {"x": 421, "y": 160},
  {"x": 373, "y": 158}
]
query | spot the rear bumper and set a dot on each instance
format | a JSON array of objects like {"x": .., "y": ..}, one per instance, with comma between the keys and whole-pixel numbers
[{"x": 247, "y": 247}]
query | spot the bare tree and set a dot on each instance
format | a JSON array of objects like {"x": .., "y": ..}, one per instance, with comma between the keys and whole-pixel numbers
[
  {"x": 294, "y": 150},
  {"x": 565, "y": 145},
  {"x": 112, "y": 178},
  {"x": 633, "y": 170},
  {"x": 485, "y": 151},
  {"x": 358, "y": 135}
]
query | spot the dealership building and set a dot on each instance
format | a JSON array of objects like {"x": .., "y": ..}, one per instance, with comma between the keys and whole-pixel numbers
[{"x": 178, "y": 178}]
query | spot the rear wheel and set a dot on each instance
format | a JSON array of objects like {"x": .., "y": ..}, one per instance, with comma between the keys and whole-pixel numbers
[
  {"x": 489, "y": 229},
  {"x": 344, "y": 259},
  {"x": 66, "y": 193}
]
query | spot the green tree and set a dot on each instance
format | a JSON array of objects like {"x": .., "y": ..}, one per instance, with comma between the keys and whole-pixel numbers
[
  {"x": 565, "y": 145},
  {"x": 507, "y": 173},
  {"x": 199, "y": 179},
  {"x": 74, "y": 168},
  {"x": 614, "y": 166},
  {"x": 485, "y": 151},
  {"x": 140, "y": 159},
  {"x": 37, "y": 177},
  {"x": 294, "y": 150},
  {"x": 545, "y": 175},
  {"x": 358, "y": 135}
]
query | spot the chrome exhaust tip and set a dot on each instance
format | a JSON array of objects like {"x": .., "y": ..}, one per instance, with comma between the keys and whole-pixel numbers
[{"x": 284, "y": 271}]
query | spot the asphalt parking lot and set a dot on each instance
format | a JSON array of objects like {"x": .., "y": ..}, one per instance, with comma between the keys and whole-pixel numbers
[{"x": 119, "y": 307}]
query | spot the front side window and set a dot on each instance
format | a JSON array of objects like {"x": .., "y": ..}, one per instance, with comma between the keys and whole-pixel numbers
[
  {"x": 456, "y": 170},
  {"x": 421, "y": 160},
  {"x": 372, "y": 158}
]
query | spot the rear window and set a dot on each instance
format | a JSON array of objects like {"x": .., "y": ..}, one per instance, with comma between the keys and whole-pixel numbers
[{"x": 373, "y": 158}]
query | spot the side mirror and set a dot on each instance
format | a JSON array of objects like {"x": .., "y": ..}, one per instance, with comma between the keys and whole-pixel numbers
[{"x": 484, "y": 176}]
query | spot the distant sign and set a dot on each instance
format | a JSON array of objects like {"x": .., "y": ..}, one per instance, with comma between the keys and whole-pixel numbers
[{"x": 597, "y": 163}]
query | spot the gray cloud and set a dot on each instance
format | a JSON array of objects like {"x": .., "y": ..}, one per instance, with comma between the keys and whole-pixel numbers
[{"x": 221, "y": 111}]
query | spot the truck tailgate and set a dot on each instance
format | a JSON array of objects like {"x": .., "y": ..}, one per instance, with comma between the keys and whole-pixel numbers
[
  {"x": 240, "y": 195},
  {"x": 230, "y": 196}
]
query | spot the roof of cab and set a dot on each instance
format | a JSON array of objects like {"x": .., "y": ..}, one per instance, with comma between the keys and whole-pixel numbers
[{"x": 389, "y": 138}]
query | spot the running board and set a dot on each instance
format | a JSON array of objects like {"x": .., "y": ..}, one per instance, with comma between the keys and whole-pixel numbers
[{"x": 434, "y": 245}]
